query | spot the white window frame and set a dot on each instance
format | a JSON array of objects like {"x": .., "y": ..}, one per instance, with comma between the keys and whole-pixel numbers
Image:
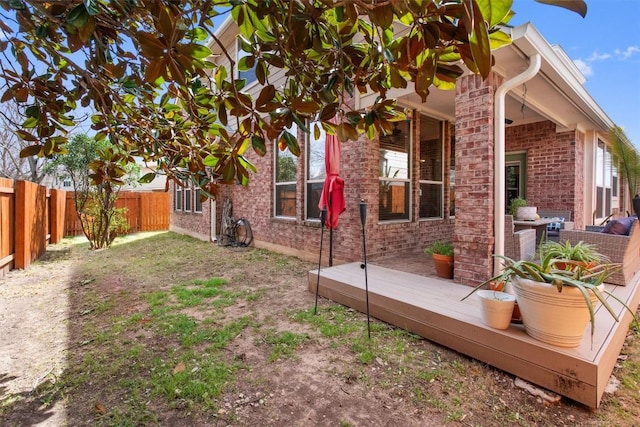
[
  {"x": 197, "y": 203},
  {"x": 188, "y": 197},
  {"x": 603, "y": 181},
  {"x": 276, "y": 184},
  {"x": 435, "y": 182},
  {"x": 403, "y": 180},
  {"x": 311, "y": 142},
  {"x": 178, "y": 200}
]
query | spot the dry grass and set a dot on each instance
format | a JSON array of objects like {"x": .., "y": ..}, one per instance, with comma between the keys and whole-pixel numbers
[{"x": 167, "y": 330}]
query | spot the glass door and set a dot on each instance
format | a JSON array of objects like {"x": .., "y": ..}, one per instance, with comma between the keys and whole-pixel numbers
[{"x": 515, "y": 177}]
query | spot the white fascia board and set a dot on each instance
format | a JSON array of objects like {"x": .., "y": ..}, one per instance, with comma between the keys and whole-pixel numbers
[{"x": 557, "y": 66}]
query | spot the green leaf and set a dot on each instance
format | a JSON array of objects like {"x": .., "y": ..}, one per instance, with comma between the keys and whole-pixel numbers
[
  {"x": 91, "y": 6},
  {"x": 30, "y": 123},
  {"x": 499, "y": 39},
  {"x": 78, "y": 16},
  {"x": 291, "y": 142},
  {"x": 32, "y": 150},
  {"x": 478, "y": 37},
  {"x": 198, "y": 51},
  {"x": 258, "y": 145},
  {"x": 495, "y": 11},
  {"x": 240, "y": 15},
  {"x": 147, "y": 178}
]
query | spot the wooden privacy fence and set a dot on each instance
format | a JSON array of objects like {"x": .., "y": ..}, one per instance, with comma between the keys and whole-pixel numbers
[
  {"x": 31, "y": 216},
  {"x": 146, "y": 211}
]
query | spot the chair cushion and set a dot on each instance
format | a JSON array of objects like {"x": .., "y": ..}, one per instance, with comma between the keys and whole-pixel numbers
[
  {"x": 553, "y": 228},
  {"x": 620, "y": 226}
]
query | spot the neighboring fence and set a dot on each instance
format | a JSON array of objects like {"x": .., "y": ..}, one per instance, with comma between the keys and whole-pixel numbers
[
  {"x": 31, "y": 216},
  {"x": 146, "y": 211}
]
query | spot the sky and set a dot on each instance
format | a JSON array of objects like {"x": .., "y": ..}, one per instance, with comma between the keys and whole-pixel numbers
[{"x": 605, "y": 45}]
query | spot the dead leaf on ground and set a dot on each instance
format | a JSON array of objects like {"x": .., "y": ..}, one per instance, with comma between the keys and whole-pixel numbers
[
  {"x": 179, "y": 368},
  {"x": 100, "y": 408}
]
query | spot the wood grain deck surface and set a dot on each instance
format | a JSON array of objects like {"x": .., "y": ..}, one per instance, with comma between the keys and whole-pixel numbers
[{"x": 432, "y": 308}]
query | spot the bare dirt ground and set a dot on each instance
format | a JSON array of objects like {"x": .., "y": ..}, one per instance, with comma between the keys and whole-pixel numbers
[{"x": 60, "y": 362}]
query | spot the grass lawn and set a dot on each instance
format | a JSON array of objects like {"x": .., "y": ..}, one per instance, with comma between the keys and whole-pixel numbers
[{"x": 163, "y": 329}]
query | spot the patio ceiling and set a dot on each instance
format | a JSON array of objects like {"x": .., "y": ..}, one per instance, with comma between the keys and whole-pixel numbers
[{"x": 556, "y": 93}]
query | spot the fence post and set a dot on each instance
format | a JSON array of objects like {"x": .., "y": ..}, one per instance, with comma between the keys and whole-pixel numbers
[
  {"x": 30, "y": 222},
  {"x": 58, "y": 201}
]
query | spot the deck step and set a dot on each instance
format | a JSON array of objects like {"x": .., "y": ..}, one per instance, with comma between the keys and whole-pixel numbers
[{"x": 431, "y": 308}]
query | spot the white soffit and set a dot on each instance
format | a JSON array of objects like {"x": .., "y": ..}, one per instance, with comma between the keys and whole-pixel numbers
[{"x": 556, "y": 93}]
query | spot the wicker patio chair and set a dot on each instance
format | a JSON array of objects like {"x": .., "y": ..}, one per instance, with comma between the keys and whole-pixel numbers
[
  {"x": 619, "y": 249},
  {"x": 566, "y": 223},
  {"x": 518, "y": 245}
]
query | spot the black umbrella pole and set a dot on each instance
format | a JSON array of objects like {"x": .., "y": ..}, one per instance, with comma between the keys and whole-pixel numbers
[
  {"x": 363, "y": 220},
  {"x": 323, "y": 217},
  {"x": 330, "y": 234}
]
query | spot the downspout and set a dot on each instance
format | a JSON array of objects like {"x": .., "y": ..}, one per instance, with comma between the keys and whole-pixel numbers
[
  {"x": 212, "y": 221},
  {"x": 499, "y": 154}
]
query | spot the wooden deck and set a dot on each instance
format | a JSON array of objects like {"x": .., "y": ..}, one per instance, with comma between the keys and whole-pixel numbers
[{"x": 431, "y": 308}]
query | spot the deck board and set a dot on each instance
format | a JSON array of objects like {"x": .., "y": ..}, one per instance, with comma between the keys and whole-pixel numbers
[{"x": 431, "y": 308}]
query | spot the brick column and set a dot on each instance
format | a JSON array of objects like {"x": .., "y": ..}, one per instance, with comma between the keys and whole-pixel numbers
[{"x": 473, "y": 232}]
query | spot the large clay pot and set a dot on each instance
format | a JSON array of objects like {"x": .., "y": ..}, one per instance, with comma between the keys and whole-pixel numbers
[
  {"x": 558, "y": 318},
  {"x": 444, "y": 265},
  {"x": 497, "y": 308}
]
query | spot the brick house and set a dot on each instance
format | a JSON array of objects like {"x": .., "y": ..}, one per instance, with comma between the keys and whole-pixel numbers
[{"x": 531, "y": 129}]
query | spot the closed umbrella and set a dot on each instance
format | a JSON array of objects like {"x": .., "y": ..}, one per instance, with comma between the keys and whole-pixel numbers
[{"x": 332, "y": 198}]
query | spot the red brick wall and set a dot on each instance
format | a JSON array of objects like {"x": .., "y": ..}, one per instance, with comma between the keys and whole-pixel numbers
[
  {"x": 473, "y": 235},
  {"x": 359, "y": 169},
  {"x": 555, "y": 166},
  {"x": 195, "y": 224}
]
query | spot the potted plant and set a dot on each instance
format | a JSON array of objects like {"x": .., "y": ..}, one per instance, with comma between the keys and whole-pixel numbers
[
  {"x": 501, "y": 286},
  {"x": 497, "y": 308},
  {"x": 442, "y": 254},
  {"x": 568, "y": 256},
  {"x": 520, "y": 209},
  {"x": 556, "y": 304}
]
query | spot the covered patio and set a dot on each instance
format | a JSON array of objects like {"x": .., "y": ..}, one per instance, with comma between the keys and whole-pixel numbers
[{"x": 404, "y": 292}]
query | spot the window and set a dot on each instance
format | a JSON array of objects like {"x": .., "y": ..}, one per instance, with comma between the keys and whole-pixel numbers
[
  {"x": 394, "y": 182},
  {"x": 66, "y": 183},
  {"x": 197, "y": 201},
  {"x": 452, "y": 179},
  {"x": 187, "y": 197},
  {"x": 248, "y": 74},
  {"x": 515, "y": 177},
  {"x": 286, "y": 168},
  {"x": 431, "y": 169},
  {"x": 316, "y": 172},
  {"x": 604, "y": 179},
  {"x": 177, "y": 197}
]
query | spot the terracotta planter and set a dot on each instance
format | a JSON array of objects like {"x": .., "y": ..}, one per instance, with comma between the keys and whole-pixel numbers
[
  {"x": 563, "y": 265},
  {"x": 444, "y": 265},
  {"x": 558, "y": 318},
  {"x": 497, "y": 308}
]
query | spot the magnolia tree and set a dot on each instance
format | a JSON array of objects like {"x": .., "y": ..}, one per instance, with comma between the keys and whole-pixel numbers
[
  {"x": 145, "y": 72},
  {"x": 95, "y": 204},
  {"x": 12, "y": 165}
]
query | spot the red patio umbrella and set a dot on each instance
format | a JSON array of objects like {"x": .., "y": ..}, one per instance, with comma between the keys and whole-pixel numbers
[{"x": 332, "y": 198}]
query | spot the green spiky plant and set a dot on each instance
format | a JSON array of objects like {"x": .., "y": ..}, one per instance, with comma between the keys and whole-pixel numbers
[
  {"x": 546, "y": 271},
  {"x": 440, "y": 248},
  {"x": 628, "y": 159},
  {"x": 516, "y": 203},
  {"x": 580, "y": 252}
]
